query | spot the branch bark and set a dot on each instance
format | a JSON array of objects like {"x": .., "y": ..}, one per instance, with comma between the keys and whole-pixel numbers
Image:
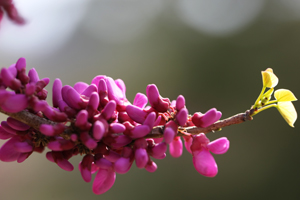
[{"x": 35, "y": 122}]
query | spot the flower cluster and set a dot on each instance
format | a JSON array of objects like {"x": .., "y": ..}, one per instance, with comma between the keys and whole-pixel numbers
[{"x": 97, "y": 121}]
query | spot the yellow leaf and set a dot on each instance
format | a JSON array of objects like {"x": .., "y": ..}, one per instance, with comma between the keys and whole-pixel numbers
[
  {"x": 288, "y": 112},
  {"x": 284, "y": 95},
  {"x": 269, "y": 78}
]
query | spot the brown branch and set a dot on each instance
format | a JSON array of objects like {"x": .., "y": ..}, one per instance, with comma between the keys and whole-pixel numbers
[
  {"x": 28, "y": 118},
  {"x": 35, "y": 121},
  {"x": 157, "y": 132}
]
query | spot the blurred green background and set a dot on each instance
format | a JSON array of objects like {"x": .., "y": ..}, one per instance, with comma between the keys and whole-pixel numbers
[{"x": 212, "y": 52}]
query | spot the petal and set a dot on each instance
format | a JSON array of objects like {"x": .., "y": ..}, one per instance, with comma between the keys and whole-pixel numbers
[
  {"x": 109, "y": 109},
  {"x": 114, "y": 92},
  {"x": 219, "y": 146},
  {"x": 15, "y": 103},
  {"x": 140, "y": 131},
  {"x": 136, "y": 113},
  {"x": 93, "y": 102},
  {"x": 159, "y": 150},
  {"x": 151, "y": 167},
  {"x": 120, "y": 83},
  {"x": 50, "y": 130},
  {"x": 117, "y": 127},
  {"x": 4, "y": 95},
  {"x": 182, "y": 116},
  {"x": 98, "y": 130},
  {"x": 152, "y": 94},
  {"x": 180, "y": 102},
  {"x": 104, "y": 180},
  {"x": 87, "y": 140},
  {"x": 89, "y": 90},
  {"x": 140, "y": 100},
  {"x": 156, "y": 101},
  {"x": 170, "y": 131},
  {"x": 169, "y": 134},
  {"x": 150, "y": 120},
  {"x": 122, "y": 165},
  {"x": 80, "y": 86},
  {"x": 56, "y": 92},
  {"x": 4, "y": 134},
  {"x": 102, "y": 89},
  {"x": 188, "y": 140},
  {"x": 205, "y": 163},
  {"x": 13, "y": 70},
  {"x": 141, "y": 157},
  {"x": 9, "y": 79},
  {"x": 94, "y": 168},
  {"x": 104, "y": 163},
  {"x": 61, "y": 161},
  {"x": 33, "y": 75},
  {"x": 198, "y": 142},
  {"x": 72, "y": 98},
  {"x": 49, "y": 156},
  {"x": 8, "y": 128},
  {"x": 65, "y": 164},
  {"x": 176, "y": 147},
  {"x": 23, "y": 156},
  {"x": 21, "y": 64},
  {"x": 30, "y": 89},
  {"x": 121, "y": 141},
  {"x": 8, "y": 152},
  {"x": 23, "y": 147},
  {"x": 81, "y": 118},
  {"x": 17, "y": 125},
  {"x": 85, "y": 173},
  {"x": 207, "y": 119},
  {"x": 157, "y": 121},
  {"x": 61, "y": 144},
  {"x": 112, "y": 156},
  {"x": 85, "y": 167},
  {"x": 96, "y": 79}
]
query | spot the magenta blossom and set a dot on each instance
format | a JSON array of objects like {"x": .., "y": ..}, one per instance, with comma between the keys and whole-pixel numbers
[
  {"x": 207, "y": 119},
  {"x": 8, "y": 7},
  {"x": 98, "y": 121},
  {"x": 203, "y": 161}
]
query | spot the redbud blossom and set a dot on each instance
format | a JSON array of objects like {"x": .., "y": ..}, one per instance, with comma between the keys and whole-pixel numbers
[
  {"x": 203, "y": 161},
  {"x": 96, "y": 120},
  {"x": 10, "y": 9}
]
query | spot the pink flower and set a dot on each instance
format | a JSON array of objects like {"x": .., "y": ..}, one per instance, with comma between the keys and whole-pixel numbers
[
  {"x": 16, "y": 149},
  {"x": 10, "y": 9},
  {"x": 61, "y": 159},
  {"x": 207, "y": 119},
  {"x": 170, "y": 131},
  {"x": 85, "y": 167},
  {"x": 156, "y": 101},
  {"x": 141, "y": 154},
  {"x": 8, "y": 153},
  {"x": 176, "y": 147},
  {"x": 123, "y": 164},
  {"x": 104, "y": 180},
  {"x": 203, "y": 161}
]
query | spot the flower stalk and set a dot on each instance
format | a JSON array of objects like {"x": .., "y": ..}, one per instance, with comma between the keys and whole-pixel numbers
[{"x": 35, "y": 122}]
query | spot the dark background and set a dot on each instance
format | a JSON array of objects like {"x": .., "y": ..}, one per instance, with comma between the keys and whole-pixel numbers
[{"x": 216, "y": 62}]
